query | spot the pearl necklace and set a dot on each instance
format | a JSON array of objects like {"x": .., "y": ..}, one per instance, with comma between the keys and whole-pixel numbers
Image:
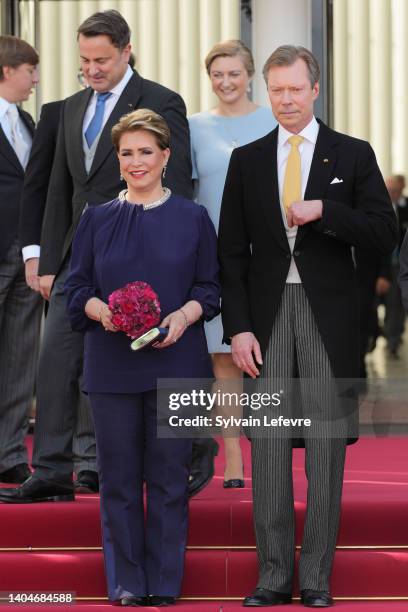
[{"x": 122, "y": 197}]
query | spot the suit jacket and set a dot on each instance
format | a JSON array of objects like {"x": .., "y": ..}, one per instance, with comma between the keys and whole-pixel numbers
[
  {"x": 254, "y": 251},
  {"x": 71, "y": 188},
  {"x": 11, "y": 183},
  {"x": 38, "y": 173}
]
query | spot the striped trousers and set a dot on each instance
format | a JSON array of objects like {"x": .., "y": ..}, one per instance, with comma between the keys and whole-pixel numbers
[
  {"x": 20, "y": 317},
  {"x": 295, "y": 342}
]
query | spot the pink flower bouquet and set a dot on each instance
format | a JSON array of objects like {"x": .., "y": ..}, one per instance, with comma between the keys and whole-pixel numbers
[{"x": 135, "y": 308}]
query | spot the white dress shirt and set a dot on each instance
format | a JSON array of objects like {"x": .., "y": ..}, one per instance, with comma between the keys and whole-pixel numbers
[
  {"x": 33, "y": 250},
  {"x": 306, "y": 150},
  {"x": 6, "y": 127}
]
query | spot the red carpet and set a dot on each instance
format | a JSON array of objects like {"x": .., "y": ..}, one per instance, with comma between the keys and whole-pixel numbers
[
  {"x": 221, "y": 540},
  {"x": 229, "y": 606}
]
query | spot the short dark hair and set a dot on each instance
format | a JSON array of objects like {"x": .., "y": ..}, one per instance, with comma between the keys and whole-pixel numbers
[
  {"x": 286, "y": 55},
  {"x": 14, "y": 52},
  {"x": 108, "y": 23}
]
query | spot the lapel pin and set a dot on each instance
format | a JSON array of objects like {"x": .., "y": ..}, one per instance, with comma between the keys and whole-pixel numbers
[
  {"x": 130, "y": 105},
  {"x": 325, "y": 161}
]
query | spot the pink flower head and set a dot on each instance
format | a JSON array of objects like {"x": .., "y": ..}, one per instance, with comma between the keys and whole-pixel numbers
[{"x": 135, "y": 308}]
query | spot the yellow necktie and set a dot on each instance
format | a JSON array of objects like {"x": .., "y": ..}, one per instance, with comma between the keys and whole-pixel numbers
[{"x": 292, "y": 184}]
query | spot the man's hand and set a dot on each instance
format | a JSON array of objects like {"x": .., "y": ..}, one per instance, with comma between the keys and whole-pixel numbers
[
  {"x": 31, "y": 273},
  {"x": 46, "y": 283},
  {"x": 304, "y": 211},
  {"x": 244, "y": 348},
  {"x": 382, "y": 285}
]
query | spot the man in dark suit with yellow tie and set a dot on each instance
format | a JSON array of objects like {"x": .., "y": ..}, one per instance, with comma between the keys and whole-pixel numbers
[
  {"x": 295, "y": 202},
  {"x": 20, "y": 309}
]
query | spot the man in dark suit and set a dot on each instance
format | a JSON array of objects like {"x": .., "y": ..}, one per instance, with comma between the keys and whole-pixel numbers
[
  {"x": 33, "y": 200},
  {"x": 294, "y": 204},
  {"x": 86, "y": 173},
  {"x": 35, "y": 189},
  {"x": 20, "y": 309}
]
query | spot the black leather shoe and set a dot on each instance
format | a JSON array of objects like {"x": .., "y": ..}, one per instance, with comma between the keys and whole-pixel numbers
[
  {"x": 316, "y": 599},
  {"x": 132, "y": 600},
  {"x": 202, "y": 464},
  {"x": 87, "y": 482},
  {"x": 17, "y": 474},
  {"x": 161, "y": 600},
  {"x": 265, "y": 597},
  {"x": 234, "y": 483},
  {"x": 37, "y": 490}
]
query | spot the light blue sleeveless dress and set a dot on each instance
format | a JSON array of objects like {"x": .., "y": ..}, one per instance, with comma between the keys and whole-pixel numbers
[{"x": 213, "y": 138}]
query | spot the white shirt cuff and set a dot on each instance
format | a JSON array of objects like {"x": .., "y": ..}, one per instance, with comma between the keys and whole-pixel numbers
[{"x": 30, "y": 251}]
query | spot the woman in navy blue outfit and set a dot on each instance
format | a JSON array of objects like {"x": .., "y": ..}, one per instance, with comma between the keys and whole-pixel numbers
[{"x": 146, "y": 234}]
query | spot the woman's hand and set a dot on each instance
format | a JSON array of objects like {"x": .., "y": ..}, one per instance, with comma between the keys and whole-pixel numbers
[
  {"x": 97, "y": 310},
  {"x": 105, "y": 318},
  {"x": 177, "y": 324}
]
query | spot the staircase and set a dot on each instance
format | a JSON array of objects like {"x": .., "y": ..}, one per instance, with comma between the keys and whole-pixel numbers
[{"x": 56, "y": 547}]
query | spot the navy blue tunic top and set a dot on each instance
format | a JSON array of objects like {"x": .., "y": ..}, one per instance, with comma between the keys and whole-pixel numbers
[{"x": 173, "y": 248}]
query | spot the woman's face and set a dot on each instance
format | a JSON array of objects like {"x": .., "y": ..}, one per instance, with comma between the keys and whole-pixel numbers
[
  {"x": 229, "y": 79},
  {"x": 141, "y": 160}
]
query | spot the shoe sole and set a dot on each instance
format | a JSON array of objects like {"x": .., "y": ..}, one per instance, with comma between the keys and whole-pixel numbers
[
  {"x": 326, "y": 605},
  {"x": 53, "y": 498},
  {"x": 267, "y": 605},
  {"x": 86, "y": 490}
]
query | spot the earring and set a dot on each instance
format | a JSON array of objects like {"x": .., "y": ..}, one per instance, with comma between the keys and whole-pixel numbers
[
  {"x": 121, "y": 177},
  {"x": 164, "y": 170}
]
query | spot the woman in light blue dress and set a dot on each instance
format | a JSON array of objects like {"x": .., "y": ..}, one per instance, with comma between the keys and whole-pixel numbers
[{"x": 233, "y": 122}]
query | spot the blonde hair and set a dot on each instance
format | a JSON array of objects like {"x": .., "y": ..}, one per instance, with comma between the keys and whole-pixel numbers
[
  {"x": 231, "y": 48},
  {"x": 142, "y": 119}
]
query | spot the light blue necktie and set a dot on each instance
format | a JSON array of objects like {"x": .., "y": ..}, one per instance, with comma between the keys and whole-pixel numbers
[{"x": 94, "y": 127}]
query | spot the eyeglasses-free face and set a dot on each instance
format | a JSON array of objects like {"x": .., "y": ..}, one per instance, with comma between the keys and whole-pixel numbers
[
  {"x": 292, "y": 95},
  {"x": 141, "y": 162}
]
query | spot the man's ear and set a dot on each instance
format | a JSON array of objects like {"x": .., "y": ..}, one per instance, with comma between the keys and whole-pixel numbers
[
  {"x": 7, "y": 72},
  {"x": 127, "y": 51}
]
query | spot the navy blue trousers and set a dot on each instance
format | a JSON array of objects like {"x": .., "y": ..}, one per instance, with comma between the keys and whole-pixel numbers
[{"x": 142, "y": 556}]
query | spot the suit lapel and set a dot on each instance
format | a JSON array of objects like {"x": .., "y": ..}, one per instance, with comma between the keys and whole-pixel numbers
[
  {"x": 5, "y": 147},
  {"x": 127, "y": 102},
  {"x": 73, "y": 131},
  {"x": 322, "y": 168},
  {"x": 28, "y": 121},
  {"x": 267, "y": 166},
  {"x": 8, "y": 152}
]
